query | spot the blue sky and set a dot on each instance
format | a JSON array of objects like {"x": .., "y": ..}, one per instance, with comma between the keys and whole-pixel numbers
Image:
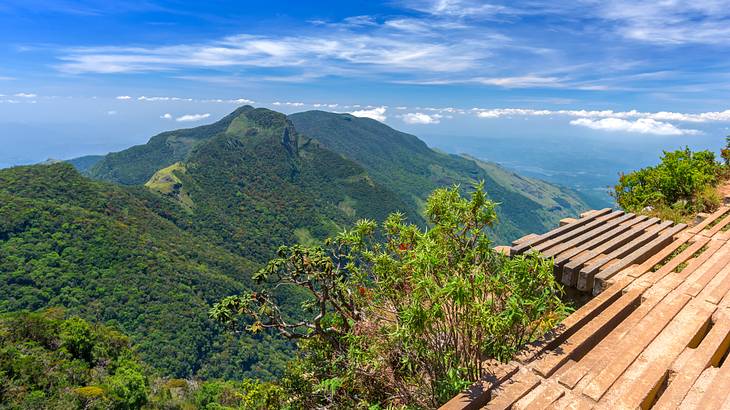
[{"x": 92, "y": 76}]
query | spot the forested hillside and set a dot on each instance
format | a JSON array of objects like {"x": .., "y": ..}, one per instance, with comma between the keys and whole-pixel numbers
[
  {"x": 135, "y": 165},
  {"x": 153, "y": 259},
  {"x": 166, "y": 229},
  {"x": 406, "y": 165},
  {"x": 128, "y": 257},
  {"x": 260, "y": 184},
  {"x": 400, "y": 168},
  {"x": 53, "y": 362}
]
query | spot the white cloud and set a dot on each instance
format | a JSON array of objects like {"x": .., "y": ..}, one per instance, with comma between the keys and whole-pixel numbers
[
  {"x": 176, "y": 99},
  {"x": 358, "y": 46},
  {"x": 521, "y": 82},
  {"x": 144, "y": 98},
  {"x": 322, "y": 105},
  {"x": 506, "y": 112},
  {"x": 524, "y": 81},
  {"x": 659, "y": 116},
  {"x": 111, "y": 112},
  {"x": 192, "y": 117},
  {"x": 377, "y": 113},
  {"x": 25, "y": 95},
  {"x": 421, "y": 118},
  {"x": 225, "y": 101},
  {"x": 641, "y": 126},
  {"x": 459, "y": 8},
  {"x": 670, "y": 22},
  {"x": 166, "y": 116}
]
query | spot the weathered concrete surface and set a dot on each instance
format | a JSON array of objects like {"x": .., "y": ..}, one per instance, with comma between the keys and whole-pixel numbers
[{"x": 656, "y": 334}]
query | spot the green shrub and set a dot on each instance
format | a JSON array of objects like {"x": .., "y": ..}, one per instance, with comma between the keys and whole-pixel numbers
[
  {"x": 247, "y": 394},
  {"x": 78, "y": 338},
  {"x": 725, "y": 152},
  {"x": 401, "y": 316},
  {"x": 680, "y": 185}
]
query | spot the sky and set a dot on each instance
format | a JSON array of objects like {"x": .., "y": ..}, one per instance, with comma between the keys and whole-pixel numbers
[{"x": 93, "y": 76}]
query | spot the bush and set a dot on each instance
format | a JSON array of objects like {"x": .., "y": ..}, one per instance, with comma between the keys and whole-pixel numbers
[
  {"x": 401, "y": 316},
  {"x": 680, "y": 185}
]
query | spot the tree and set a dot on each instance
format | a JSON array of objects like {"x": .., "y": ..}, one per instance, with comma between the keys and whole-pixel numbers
[
  {"x": 398, "y": 315},
  {"x": 127, "y": 388},
  {"x": 78, "y": 338}
]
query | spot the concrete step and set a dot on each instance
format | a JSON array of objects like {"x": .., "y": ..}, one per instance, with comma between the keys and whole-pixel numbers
[
  {"x": 587, "y": 273},
  {"x": 708, "y": 353},
  {"x": 528, "y": 244}
]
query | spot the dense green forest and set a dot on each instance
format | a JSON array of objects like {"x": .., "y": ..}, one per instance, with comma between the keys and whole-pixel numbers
[
  {"x": 50, "y": 360},
  {"x": 152, "y": 260},
  {"x": 124, "y": 256},
  {"x": 349, "y": 356}
]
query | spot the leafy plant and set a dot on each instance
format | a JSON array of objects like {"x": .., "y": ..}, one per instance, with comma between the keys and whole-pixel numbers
[
  {"x": 680, "y": 185},
  {"x": 398, "y": 315}
]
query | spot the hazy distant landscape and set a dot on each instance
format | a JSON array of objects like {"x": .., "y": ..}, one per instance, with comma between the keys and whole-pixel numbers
[{"x": 590, "y": 165}]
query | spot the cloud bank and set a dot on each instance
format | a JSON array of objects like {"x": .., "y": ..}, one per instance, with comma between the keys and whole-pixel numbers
[
  {"x": 377, "y": 113},
  {"x": 641, "y": 126},
  {"x": 192, "y": 117},
  {"x": 421, "y": 118}
]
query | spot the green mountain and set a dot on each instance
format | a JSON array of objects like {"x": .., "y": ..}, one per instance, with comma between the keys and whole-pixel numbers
[
  {"x": 84, "y": 164},
  {"x": 324, "y": 151},
  {"x": 406, "y": 165},
  {"x": 135, "y": 165},
  {"x": 256, "y": 184}
]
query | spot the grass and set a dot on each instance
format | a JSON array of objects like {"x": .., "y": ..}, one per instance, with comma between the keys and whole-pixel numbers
[
  {"x": 670, "y": 257},
  {"x": 684, "y": 264},
  {"x": 238, "y": 125},
  {"x": 166, "y": 182}
]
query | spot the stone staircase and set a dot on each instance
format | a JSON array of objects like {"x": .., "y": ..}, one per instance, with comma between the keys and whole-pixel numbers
[{"x": 655, "y": 335}]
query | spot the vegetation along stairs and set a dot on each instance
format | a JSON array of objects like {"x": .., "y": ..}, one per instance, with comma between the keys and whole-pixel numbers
[{"x": 656, "y": 333}]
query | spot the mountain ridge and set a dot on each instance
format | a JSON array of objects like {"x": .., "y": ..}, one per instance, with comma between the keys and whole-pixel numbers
[
  {"x": 399, "y": 162},
  {"x": 405, "y": 164}
]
